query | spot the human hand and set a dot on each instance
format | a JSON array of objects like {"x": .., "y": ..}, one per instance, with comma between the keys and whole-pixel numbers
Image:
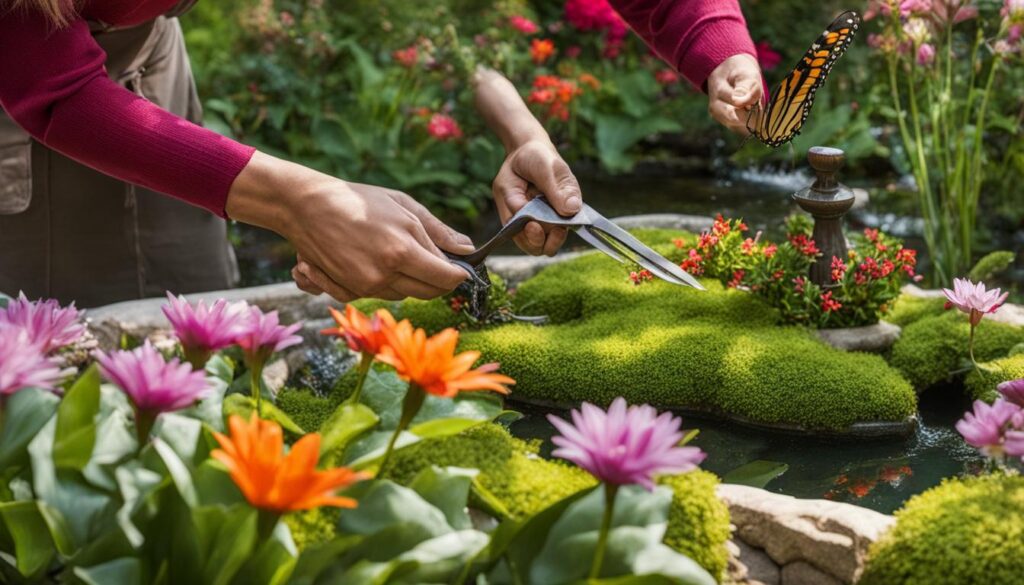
[
  {"x": 734, "y": 87},
  {"x": 367, "y": 241},
  {"x": 531, "y": 168}
]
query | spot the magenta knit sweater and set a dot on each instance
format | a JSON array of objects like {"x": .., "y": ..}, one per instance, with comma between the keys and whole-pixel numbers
[{"x": 54, "y": 85}]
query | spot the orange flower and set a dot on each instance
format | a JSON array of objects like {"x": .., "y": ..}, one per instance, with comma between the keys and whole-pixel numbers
[
  {"x": 431, "y": 362},
  {"x": 541, "y": 50},
  {"x": 588, "y": 79},
  {"x": 276, "y": 482},
  {"x": 362, "y": 334}
]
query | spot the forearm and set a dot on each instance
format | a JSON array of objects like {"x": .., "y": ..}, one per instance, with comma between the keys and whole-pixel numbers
[
  {"x": 504, "y": 110},
  {"x": 268, "y": 190}
]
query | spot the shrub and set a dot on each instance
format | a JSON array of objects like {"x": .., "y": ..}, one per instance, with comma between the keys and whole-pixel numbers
[
  {"x": 932, "y": 349},
  {"x": 991, "y": 265},
  {"x": 966, "y": 532},
  {"x": 718, "y": 351},
  {"x": 982, "y": 385}
]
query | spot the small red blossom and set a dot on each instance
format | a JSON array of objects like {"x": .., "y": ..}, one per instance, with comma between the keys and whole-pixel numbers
[
  {"x": 693, "y": 264},
  {"x": 770, "y": 250},
  {"x": 828, "y": 304},
  {"x": 767, "y": 57},
  {"x": 555, "y": 93},
  {"x": 707, "y": 241},
  {"x": 748, "y": 246},
  {"x": 523, "y": 24},
  {"x": 881, "y": 247},
  {"x": 541, "y": 50},
  {"x": 871, "y": 235},
  {"x": 737, "y": 278},
  {"x": 443, "y": 127},
  {"x": 798, "y": 284},
  {"x": 407, "y": 57},
  {"x": 679, "y": 243},
  {"x": 640, "y": 277},
  {"x": 778, "y": 274},
  {"x": 590, "y": 81},
  {"x": 721, "y": 226},
  {"x": 838, "y": 269},
  {"x": 457, "y": 303},
  {"x": 804, "y": 245},
  {"x": 666, "y": 77}
]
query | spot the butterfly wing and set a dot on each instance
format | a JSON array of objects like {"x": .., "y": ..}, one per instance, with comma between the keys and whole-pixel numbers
[{"x": 781, "y": 119}]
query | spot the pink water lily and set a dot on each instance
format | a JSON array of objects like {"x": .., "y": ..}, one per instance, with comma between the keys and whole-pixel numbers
[
  {"x": 23, "y": 363},
  {"x": 203, "y": 329},
  {"x": 974, "y": 299},
  {"x": 45, "y": 322},
  {"x": 986, "y": 426},
  {"x": 624, "y": 445},
  {"x": 1013, "y": 391}
]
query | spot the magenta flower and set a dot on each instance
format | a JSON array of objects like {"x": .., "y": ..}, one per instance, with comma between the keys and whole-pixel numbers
[
  {"x": 974, "y": 299},
  {"x": 907, "y": 7},
  {"x": 47, "y": 324},
  {"x": 262, "y": 335},
  {"x": 1013, "y": 391},
  {"x": 153, "y": 384},
  {"x": 767, "y": 57},
  {"x": 23, "y": 364},
  {"x": 986, "y": 426},
  {"x": 624, "y": 446},
  {"x": 523, "y": 24},
  {"x": 1014, "y": 443},
  {"x": 203, "y": 330},
  {"x": 925, "y": 55}
]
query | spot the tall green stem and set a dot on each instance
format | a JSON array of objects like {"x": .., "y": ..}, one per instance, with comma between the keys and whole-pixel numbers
[
  {"x": 365, "y": 361},
  {"x": 414, "y": 398},
  {"x": 255, "y": 375},
  {"x": 144, "y": 421},
  {"x": 610, "y": 492}
]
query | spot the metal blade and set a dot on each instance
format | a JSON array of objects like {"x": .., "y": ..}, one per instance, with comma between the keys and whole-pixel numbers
[
  {"x": 624, "y": 242},
  {"x": 584, "y": 233}
]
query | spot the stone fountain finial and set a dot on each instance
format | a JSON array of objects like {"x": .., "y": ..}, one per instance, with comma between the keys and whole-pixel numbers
[{"x": 827, "y": 200}]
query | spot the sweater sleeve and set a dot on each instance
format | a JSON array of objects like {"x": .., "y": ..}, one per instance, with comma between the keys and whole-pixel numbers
[
  {"x": 694, "y": 36},
  {"x": 54, "y": 85}
]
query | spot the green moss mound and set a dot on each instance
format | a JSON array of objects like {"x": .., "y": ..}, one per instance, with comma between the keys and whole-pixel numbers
[
  {"x": 932, "y": 349},
  {"x": 719, "y": 351},
  {"x": 910, "y": 309},
  {"x": 981, "y": 385},
  {"x": 524, "y": 483},
  {"x": 964, "y": 532}
]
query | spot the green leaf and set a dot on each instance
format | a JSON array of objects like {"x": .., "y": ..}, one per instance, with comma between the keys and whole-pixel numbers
[
  {"x": 615, "y": 135},
  {"x": 442, "y": 427},
  {"x": 317, "y": 557},
  {"x": 24, "y": 415},
  {"x": 386, "y": 504},
  {"x": 757, "y": 473},
  {"x": 227, "y": 538},
  {"x": 347, "y": 423},
  {"x": 447, "y": 490},
  {"x": 176, "y": 468},
  {"x": 243, "y": 405},
  {"x": 221, "y": 367},
  {"x": 123, "y": 571},
  {"x": 76, "y": 422},
  {"x": 384, "y": 392},
  {"x": 33, "y": 546},
  {"x": 273, "y": 561},
  {"x": 135, "y": 483}
]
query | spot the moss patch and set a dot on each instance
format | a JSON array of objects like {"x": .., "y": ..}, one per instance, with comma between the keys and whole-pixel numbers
[
  {"x": 982, "y": 385},
  {"x": 718, "y": 351},
  {"x": 932, "y": 349},
  {"x": 525, "y": 483},
  {"x": 910, "y": 309},
  {"x": 964, "y": 531}
]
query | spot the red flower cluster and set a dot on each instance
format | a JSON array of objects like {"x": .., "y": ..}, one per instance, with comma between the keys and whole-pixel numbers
[
  {"x": 443, "y": 127},
  {"x": 694, "y": 264},
  {"x": 666, "y": 77},
  {"x": 828, "y": 304},
  {"x": 640, "y": 277},
  {"x": 523, "y": 24},
  {"x": 748, "y": 247},
  {"x": 871, "y": 268},
  {"x": 407, "y": 57},
  {"x": 554, "y": 92},
  {"x": 798, "y": 284},
  {"x": 767, "y": 57},
  {"x": 770, "y": 250},
  {"x": 541, "y": 50},
  {"x": 838, "y": 269},
  {"x": 804, "y": 245},
  {"x": 457, "y": 303},
  {"x": 907, "y": 259},
  {"x": 598, "y": 15},
  {"x": 737, "y": 278}
]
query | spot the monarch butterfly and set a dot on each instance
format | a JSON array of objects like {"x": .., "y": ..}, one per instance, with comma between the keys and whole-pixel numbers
[{"x": 780, "y": 121}]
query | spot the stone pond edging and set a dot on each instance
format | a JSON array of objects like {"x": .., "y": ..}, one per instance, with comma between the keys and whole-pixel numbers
[{"x": 782, "y": 540}]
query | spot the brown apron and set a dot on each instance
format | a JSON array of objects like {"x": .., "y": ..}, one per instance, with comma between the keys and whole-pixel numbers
[{"x": 72, "y": 233}]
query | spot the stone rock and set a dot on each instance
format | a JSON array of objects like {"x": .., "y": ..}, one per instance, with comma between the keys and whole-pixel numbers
[
  {"x": 275, "y": 374},
  {"x": 759, "y": 568},
  {"x": 877, "y": 337},
  {"x": 832, "y": 537},
  {"x": 801, "y": 573},
  {"x": 1009, "y": 313}
]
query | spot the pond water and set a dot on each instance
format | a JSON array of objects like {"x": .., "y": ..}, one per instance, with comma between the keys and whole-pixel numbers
[{"x": 877, "y": 474}]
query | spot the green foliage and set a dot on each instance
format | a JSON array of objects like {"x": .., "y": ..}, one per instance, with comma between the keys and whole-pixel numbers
[
  {"x": 934, "y": 349},
  {"x": 981, "y": 384},
  {"x": 964, "y": 531},
  {"x": 991, "y": 265},
  {"x": 910, "y": 309},
  {"x": 717, "y": 351}
]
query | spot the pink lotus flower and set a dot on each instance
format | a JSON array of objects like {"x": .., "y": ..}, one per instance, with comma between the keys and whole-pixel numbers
[
  {"x": 768, "y": 57},
  {"x": 46, "y": 324},
  {"x": 1013, "y": 391},
  {"x": 925, "y": 55},
  {"x": 203, "y": 330},
  {"x": 443, "y": 128},
  {"x": 523, "y": 24},
  {"x": 974, "y": 299},
  {"x": 986, "y": 426},
  {"x": 153, "y": 384},
  {"x": 624, "y": 446},
  {"x": 262, "y": 335},
  {"x": 23, "y": 364}
]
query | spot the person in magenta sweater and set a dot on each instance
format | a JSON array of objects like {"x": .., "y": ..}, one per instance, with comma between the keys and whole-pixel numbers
[{"x": 100, "y": 125}]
